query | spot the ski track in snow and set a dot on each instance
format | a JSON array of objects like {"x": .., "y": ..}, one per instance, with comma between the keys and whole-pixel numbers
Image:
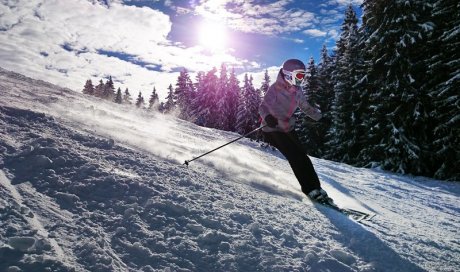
[{"x": 89, "y": 186}]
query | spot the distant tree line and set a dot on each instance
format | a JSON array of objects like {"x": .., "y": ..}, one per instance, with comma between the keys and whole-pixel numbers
[
  {"x": 214, "y": 100},
  {"x": 107, "y": 91}
]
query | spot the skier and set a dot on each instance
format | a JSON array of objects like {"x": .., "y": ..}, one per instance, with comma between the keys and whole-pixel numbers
[{"x": 276, "y": 110}]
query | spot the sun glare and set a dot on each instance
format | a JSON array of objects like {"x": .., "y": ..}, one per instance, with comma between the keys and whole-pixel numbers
[{"x": 213, "y": 36}]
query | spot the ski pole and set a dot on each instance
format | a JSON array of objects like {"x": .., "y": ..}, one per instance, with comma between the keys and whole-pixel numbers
[{"x": 245, "y": 135}]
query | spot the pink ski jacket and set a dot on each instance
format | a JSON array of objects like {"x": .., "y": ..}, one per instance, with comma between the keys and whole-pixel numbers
[{"x": 281, "y": 101}]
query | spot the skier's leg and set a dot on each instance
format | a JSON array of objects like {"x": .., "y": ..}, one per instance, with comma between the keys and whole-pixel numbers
[
  {"x": 289, "y": 145},
  {"x": 303, "y": 163}
]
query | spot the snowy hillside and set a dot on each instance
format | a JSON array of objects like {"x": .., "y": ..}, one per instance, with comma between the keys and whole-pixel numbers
[{"x": 88, "y": 185}]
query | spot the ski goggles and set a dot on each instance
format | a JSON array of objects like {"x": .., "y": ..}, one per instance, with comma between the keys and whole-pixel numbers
[{"x": 296, "y": 77}]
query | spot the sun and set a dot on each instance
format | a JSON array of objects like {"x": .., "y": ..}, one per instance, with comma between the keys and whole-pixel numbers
[{"x": 213, "y": 36}]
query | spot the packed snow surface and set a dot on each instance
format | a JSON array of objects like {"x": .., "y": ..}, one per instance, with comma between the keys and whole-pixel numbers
[{"x": 88, "y": 185}]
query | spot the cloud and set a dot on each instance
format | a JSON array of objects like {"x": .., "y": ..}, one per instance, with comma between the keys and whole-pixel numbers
[
  {"x": 345, "y": 2},
  {"x": 334, "y": 34},
  {"x": 178, "y": 9},
  {"x": 315, "y": 32},
  {"x": 251, "y": 17},
  {"x": 59, "y": 40}
]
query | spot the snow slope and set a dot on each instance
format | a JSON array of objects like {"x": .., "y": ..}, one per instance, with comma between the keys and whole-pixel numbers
[{"x": 87, "y": 185}]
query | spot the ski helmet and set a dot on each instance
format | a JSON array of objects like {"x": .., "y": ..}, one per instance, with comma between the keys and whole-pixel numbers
[{"x": 294, "y": 72}]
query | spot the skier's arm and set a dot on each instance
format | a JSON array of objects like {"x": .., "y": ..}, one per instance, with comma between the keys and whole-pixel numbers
[
  {"x": 267, "y": 102},
  {"x": 308, "y": 109}
]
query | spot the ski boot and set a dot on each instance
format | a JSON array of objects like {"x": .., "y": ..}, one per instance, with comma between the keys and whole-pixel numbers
[{"x": 320, "y": 196}]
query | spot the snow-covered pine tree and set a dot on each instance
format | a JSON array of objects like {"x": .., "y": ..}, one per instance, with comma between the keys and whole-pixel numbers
[
  {"x": 154, "y": 99},
  {"x": 205, "y": 104},
  {"x": 99, "y": 89},
  {"x": 263, "y": 91},
  {"x": 323, "y": 98},
  {"x": 118, "y": 97},
  {"x": 140, "y": 101},
  {"x": 340, "y": 135},
  {"x": 443, "y": 85},
  {"x": 369, "y": 85},
  {"x": 248, "y": 113},
  {"x": 88, "y": 88},
  {"x": 397, "y": 125},
  {"x": 233, "y": 93},
  {"x": 170, "y": 104},
  {"x": 360, "y": 101},
  {"x": 222, "y": 99},
  {"x": 255, "y": 99},
  {"x": 242, "y": 114},
  {"x": 195, "y": 109},
  {"x": 326, "y": 86},
  {"x": 108, "y": 90},
  {"x": 127, "y": 99},
  {"x": 184, "y": 93},
  {"x": 265, "y": 83},
  {"x": 312, "y": 92},
  {"x": 306, "y": 128}
]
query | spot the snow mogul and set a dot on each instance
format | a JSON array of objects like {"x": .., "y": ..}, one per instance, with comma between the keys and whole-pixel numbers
[{"x": 277, "y": 109}]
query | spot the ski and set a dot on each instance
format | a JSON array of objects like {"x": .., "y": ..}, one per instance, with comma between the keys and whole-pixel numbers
[{"x": 358, "y": 216}]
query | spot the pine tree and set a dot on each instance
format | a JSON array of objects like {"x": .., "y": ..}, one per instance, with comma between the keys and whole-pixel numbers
[
  {"x": 184, "y": 93},
  {"x": 233, "y": 94},
  {"x": 349, "y": 24},
  {"x": 255, "y": 99},
  {"x": 99, "y": 89},
  {"x": 127, "y": 97},
  {"x": 140, "y": 101},
  {"x": 312, "y": 91},
  {"x": 265, "y": 83},
  {"x": 326, "y": 86},
  {"x": 170, "y": 104},
  {"x": 341, "y": 131},
  {"x": 369, "y": 155},
  {"x": 323, "y": 98},
  {"x": 89, "y": 88},
  {"x": 360, "y": 101},
  {"x": 307, "y": 129},
  {"x": 242, "y": 117},
  {"x": 108, "y": 90},
  {"x": 118, "y": 97},
  {"x": 397, "y": 124},
  {"x": 205, "y": 104},
  {"x": 153, "y": 99},
  {"x": 248, "y": 113},
  {"x": 222, "y": 100},
  {"x": 443, "y": 85},
  {"x": 196, "y": 105}
]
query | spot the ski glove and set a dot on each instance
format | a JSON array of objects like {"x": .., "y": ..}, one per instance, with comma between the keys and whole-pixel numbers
[{"x": 271, "y": 121}]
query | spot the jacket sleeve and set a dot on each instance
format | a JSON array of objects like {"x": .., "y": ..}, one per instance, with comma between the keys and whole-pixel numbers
[
  {"x": 308, "y": 109},
  {"x": 267, "y": 103}
]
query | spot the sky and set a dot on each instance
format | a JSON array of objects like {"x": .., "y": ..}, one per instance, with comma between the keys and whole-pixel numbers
[{"x": 145, "y": 43}]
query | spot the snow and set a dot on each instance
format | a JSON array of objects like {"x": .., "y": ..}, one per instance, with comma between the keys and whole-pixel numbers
[{"x": 87, "y": 185}]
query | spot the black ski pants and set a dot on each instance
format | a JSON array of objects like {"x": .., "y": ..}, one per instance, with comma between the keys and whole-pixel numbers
[{"x": 289, "y": 145}]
